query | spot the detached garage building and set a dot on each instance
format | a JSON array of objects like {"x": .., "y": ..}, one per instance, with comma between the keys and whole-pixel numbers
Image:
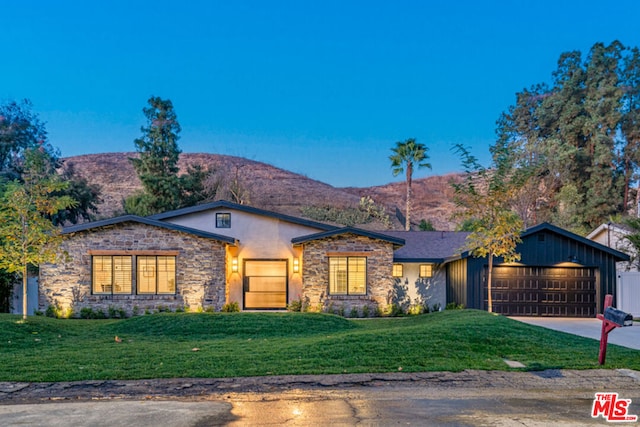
[{"x": 560, "y": 274}]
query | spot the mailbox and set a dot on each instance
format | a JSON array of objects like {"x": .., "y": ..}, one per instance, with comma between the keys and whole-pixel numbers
[{"x": 619, "y": 317}]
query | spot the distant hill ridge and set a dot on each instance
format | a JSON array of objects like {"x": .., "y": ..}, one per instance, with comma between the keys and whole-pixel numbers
[{"x": 272, "y": 188}]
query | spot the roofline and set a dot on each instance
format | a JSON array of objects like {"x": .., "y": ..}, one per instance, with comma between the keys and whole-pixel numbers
[
  {"x": 358, "y": 231},
  {"x": 420, "y": 260},
  {"x": 243, "y": 208},
  {"x": 605, "y": 226},
  {"x": 570, "y": 235},
  {"x": 147, "y": 221}
]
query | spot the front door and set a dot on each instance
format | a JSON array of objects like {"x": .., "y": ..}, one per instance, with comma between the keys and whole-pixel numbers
[{"x": 265, "y": 284}]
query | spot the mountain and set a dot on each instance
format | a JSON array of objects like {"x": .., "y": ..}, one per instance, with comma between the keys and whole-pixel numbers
[{"x": 270, "y": 187}]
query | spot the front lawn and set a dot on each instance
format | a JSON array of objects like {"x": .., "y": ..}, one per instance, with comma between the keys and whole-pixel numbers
[{"x": 248, "y": 344}]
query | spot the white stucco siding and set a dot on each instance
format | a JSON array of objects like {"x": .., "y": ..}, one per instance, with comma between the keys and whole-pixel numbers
[
  {"x": 429, "y": 291},
  {"x": 260, "y": 237}
]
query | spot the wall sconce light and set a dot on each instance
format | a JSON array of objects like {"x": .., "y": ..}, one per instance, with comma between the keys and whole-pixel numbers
[
  {"x": 296, "y": 265},
  {"x": 574, "y": 259},
  {"x": 234, "y": 264}
]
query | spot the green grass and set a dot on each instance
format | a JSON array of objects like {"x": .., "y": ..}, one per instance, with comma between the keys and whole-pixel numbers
[{"x": 248, "y": 344}]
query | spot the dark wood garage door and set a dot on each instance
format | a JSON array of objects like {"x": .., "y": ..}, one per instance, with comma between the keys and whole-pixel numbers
[{"x": 544, "y": 291}]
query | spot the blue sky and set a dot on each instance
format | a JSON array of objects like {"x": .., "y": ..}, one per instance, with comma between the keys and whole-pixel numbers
[{"x": 323, "y": 88}]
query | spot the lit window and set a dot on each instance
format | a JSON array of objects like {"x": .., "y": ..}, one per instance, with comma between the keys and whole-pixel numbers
[
  {"x": 111, "y": 274},
  {"x": 156, "y": 274},
  {"x": 223, "y": 220},
  {"x": 397, "y": 270},
  {"x": 347, "y": 275},
  {"x": 426, "y": 270}
]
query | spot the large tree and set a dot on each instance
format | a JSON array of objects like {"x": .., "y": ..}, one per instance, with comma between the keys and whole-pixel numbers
[
  {"x": 484, "y": 198},
  {"x": 157, "y": 165},
  {"x": 27, "y": 234},
  {"x": 22, "y": 130},
  {"x": 407, "y": 156},
  {"x": 580, "y": 132}
]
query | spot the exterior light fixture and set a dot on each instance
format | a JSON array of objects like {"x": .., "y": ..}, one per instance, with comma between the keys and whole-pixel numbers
[
  {"x": 234, "y": 264},
  {"x": 296, "y": 265}
]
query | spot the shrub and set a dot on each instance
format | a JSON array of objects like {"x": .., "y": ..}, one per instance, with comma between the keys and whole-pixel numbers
[
  {"x": 365, "y": 311},
  {"x": 452, "y": 306},
  {"x": 354, "y": 312},
  {"x": 295, "y": 305},
  {"x": 231, "y": 307}
]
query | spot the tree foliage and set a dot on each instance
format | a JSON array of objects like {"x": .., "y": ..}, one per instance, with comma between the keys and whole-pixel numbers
[
  {"x": 407, "y": 156},
  {"x": 157, "y": 165},
  {"x": 28, "y": 235},
  {"x": 581, "y": 135},
  {"x": 21, "y": 131},
  {"x": 484, "y": 197}
]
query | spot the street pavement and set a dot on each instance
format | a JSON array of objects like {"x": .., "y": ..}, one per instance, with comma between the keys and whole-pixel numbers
[
  {"x": 628, "y": 336},
  {"x": 468, "y": 398}
]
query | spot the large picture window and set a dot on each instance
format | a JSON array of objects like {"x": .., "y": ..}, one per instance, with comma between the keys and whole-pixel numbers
[
  {"x": 112, "y": 274},
  {"x": 347, "y": 275},
  {"x": 156, "y": 274}
]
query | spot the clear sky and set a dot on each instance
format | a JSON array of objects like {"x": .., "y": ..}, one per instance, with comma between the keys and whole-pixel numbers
[{"x": 323, "y": 88}]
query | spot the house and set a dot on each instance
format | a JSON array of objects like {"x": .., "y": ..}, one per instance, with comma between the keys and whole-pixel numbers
[
  {"x": 628, "y": 283},
  {"x": 614, "y": 236},
  {"x": 206, "y": 256}
]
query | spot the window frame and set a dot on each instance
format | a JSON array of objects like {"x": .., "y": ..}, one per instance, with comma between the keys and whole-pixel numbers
[
  {"x": 427, "y": 274},
  {"x": 223, "y": 219},
  {"x": 395, "y": 268},
  {"x": 135, "y": 273},
  {"x": 112, "y": 275},
  {"x": 156, "y": 275},
  {"x": 346, "y": 275}
]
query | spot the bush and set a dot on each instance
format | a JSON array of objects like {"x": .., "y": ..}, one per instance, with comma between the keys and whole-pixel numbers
[
  {"x": 295, "y": 305},
  {"x": 452, "y": 306},
  {"x": 231, "y": 307}
]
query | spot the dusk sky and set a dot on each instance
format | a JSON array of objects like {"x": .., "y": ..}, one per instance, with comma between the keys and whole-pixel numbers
[{"x": 321, "y": 88}]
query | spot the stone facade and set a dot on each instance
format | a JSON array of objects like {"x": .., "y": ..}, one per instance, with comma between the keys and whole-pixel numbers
[
  {"x": 200, "y": 269},
  {"x": 315, "y": 266}
]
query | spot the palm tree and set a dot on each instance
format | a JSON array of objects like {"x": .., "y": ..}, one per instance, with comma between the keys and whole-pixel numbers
[{"x": 408, "y": 155}]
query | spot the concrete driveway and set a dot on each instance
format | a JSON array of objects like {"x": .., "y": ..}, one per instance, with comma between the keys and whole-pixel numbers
[{"x": 628, "y": 336}]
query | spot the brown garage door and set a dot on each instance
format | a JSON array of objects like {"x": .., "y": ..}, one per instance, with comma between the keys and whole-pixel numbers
[{"x": 544, "y": 291}]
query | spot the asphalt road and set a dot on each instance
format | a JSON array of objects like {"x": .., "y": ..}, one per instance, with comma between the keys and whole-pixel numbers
[{"x": 469, "y": 398}]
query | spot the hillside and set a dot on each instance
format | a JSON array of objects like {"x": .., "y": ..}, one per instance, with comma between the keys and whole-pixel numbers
[{"x": 269, "y": 187}]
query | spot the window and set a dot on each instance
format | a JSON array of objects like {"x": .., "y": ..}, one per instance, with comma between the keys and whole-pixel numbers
[
  {"x": 347, "y": 275},
  {"x": 426, "y": 270},
  {"x": 156, "y": 274},
  {"x": 397, "y": 270},
  {"x": 223, "y": 220},
  {"x": 111, "y": 274}
]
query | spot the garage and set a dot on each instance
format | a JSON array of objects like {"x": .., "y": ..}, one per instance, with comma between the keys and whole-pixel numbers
[
  {"x": 559, "y": 274},
  {"x": 544, "y": 291}
]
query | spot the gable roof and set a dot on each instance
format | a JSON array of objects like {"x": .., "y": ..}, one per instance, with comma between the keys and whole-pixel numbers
[
  {"x": 142, "y": 220},
  {"x": 428, "y": 246},
  {"x": 545, "y": 226},
  {"x": 243, "y": 208},
  {"x": 348, "y": 230}
]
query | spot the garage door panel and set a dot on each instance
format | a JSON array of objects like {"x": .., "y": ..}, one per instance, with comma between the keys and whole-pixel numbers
[{"x": 544, "y": 291}]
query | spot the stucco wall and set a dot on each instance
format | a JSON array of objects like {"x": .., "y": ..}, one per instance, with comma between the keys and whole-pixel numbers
[
  {"x": 411, "y": 289},
  {"x": 200, "y": 269},
  {"x": 315, "y": 273},
  {"x": 260, "y": 237}
]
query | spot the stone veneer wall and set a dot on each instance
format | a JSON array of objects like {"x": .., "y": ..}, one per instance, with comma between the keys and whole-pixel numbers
[
  {"x": 315, "y": 288},
  {"x": 200, "y": 270}
]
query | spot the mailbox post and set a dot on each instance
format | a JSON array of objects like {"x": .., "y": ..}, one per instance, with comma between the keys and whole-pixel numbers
[{"x": 611, "y": 319}]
